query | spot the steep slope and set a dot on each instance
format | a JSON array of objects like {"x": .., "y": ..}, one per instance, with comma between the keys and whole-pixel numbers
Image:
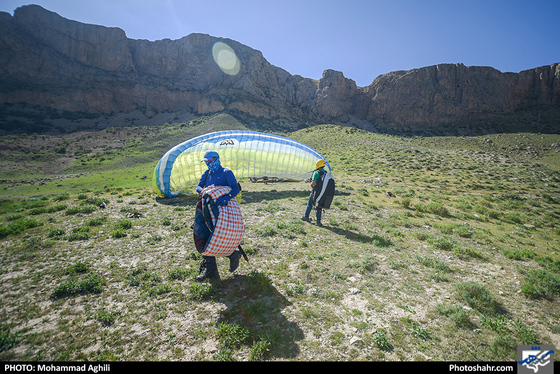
[{"x": 53, "y": 68}]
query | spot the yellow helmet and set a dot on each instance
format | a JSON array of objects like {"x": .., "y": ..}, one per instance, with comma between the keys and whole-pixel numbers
[{"x": 320, "y": 163}]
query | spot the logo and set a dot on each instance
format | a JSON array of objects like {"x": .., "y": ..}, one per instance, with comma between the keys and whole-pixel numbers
[
  {"x": 535, "y": 359},
  {"x": 226, "y": 142}
]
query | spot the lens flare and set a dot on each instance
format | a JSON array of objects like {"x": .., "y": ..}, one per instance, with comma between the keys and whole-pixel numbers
[{"x": 226, "y": 58}]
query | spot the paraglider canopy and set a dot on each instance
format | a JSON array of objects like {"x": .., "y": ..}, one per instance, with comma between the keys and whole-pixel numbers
[{"x": 248, "y": 154}]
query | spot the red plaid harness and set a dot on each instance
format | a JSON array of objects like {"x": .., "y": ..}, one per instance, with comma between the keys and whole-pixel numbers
[{"x": 228, "y": 225}]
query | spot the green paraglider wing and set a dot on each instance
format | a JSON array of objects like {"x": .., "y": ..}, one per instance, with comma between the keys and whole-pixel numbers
[{"x": 248, "y": 154}]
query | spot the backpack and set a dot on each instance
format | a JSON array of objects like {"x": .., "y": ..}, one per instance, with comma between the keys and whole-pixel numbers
[{"x": 324, "y": 191}]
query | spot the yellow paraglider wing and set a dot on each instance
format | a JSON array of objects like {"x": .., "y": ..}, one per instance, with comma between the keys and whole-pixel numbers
[{"x": 248, "y": 154}]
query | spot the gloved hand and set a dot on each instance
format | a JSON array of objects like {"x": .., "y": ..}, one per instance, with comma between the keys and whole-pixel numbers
[{"x": 223, "y": 201}]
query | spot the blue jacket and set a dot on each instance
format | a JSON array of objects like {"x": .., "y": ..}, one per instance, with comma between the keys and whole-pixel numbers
[{"x": 224, "y": 177}]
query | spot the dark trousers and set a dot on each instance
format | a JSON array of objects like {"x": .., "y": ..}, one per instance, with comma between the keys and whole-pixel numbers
[
  {"x": 210, "y": 262},
  {"x": 309, "y": 207}
]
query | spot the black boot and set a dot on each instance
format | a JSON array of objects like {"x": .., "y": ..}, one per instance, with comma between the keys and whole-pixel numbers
[
  {"x": 208, "y": 274},
  {"x": 208, "y": 270},
  {"x": 234, "y": 261}
]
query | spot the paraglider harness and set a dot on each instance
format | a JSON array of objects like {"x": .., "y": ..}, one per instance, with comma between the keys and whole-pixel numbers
[
  {"x": 323, "y": 191},
  {"x": 206, "y": 214}
]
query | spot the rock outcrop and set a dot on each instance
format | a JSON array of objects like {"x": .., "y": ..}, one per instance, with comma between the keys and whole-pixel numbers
[
  {"x": 47, "y": 61},
  {"x": 456, "y": 95}
]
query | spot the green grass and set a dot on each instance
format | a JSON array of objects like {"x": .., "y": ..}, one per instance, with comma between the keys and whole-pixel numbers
[{"x": 466, "y": 254}]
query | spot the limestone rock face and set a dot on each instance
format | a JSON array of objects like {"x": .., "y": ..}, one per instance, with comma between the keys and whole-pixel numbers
[
  {"x": 48, "y": 61},
  {"x": 454, "y": 93}
]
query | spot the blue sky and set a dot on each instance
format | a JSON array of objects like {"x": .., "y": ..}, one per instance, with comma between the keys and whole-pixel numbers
[{"x": 361, "y": 38}]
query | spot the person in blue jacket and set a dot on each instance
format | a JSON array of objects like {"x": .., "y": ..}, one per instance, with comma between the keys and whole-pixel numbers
[{"x": 217, "y": 175}]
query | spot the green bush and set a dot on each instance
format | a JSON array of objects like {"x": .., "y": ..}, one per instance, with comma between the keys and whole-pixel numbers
[
  {"x": 118, "y": 233},
  {"x": 455, "y": 313},
  {"x": 79, "y": 210},
  {"x": 106, "y": 318},
  {"x": 56, "y": 233},
  {"x": 540, "y": 283},
  {"x": 232, "y": 335},
  {"x": 199, "y": 291},
  {"x": 442, "y": 242},
  {"x": 97, "y": 221},
  {"x": 382, "y": 341},
  {"x": 124, "y": 224},
  {"x": 259, "y": 350},
  {"x": 92, "y": 283},
  {"x": 16, "y": 227},
  {"x": 8, "y": 340},
  {"x": 179, "y": 274},
  {"x": 478, "y": 297}
]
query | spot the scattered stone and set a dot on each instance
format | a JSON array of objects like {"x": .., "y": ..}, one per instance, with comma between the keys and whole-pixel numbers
[{"x": 358, "y": 342}]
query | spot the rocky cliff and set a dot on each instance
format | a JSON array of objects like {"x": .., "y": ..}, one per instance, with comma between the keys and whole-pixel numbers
[{"x": 51, "y": 63}]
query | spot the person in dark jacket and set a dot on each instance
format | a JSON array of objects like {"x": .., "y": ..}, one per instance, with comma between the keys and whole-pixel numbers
[{"x": 217, "y": 175}]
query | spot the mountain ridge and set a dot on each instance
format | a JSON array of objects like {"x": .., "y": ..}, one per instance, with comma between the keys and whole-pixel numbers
[{"x": 82, "y": 71}]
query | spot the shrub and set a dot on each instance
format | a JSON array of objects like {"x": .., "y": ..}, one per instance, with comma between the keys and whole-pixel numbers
[
  {"x": 16, "y": 227},
  {"x": 258, "y": 282},
  {"x": 497, "y": 324},
  {"x": 56, "y": 233},
  {"x": 434, "y": 208},
  {"x": 179, "y": 274},
  {"x": 199, "y": 291},
  {"x": 140, "y": 276},
  {"x": 80, "y": 235},
  {"x": 368, "y": 263},
  {"x": 97, "y": 221},
  {"x": 266, "y": 231},
  {"x": 405, "y": 202},
  {"x": 79, "y": 210},
  {"x": 92, "y": 283},
  {"x": 434, "y": 263},
  {"x": 155, "y": 239},
  {"x": 454, "y": 313},
  {"x": 442, "y": 242},
  {"x": 259, "y": 350},
  {"x": 519, "y": 254},
  {"x": 123, "y": 224},
  {"x": 8, "y": 340},
  {"x": 438, "y": 209},
  {"x": 158, "y": 290},
  {"x": 525, "y": 335},
  {"x": 540, "y": 283},
  {"x": 478, "y": 297},
  {"x": 94, "y": 201},
  {"x": 381, "y": 241},
  {"x": 105, "y": 317},
  {"x": 78, "y": 268},
  {"x": 232, "y": 335},
  {"x": 118, "y": 233},
  {"x": 382, "y": 341},
  {"x": 465, "y": 253}
]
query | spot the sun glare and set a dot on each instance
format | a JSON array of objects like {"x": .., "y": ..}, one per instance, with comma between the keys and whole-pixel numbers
[{"x": 226, "y": 58}]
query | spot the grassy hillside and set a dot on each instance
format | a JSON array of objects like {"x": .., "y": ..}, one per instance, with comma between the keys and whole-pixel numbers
[
  {"x": 461, "y": 263},
  {"x": 114, "y": 157}
]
